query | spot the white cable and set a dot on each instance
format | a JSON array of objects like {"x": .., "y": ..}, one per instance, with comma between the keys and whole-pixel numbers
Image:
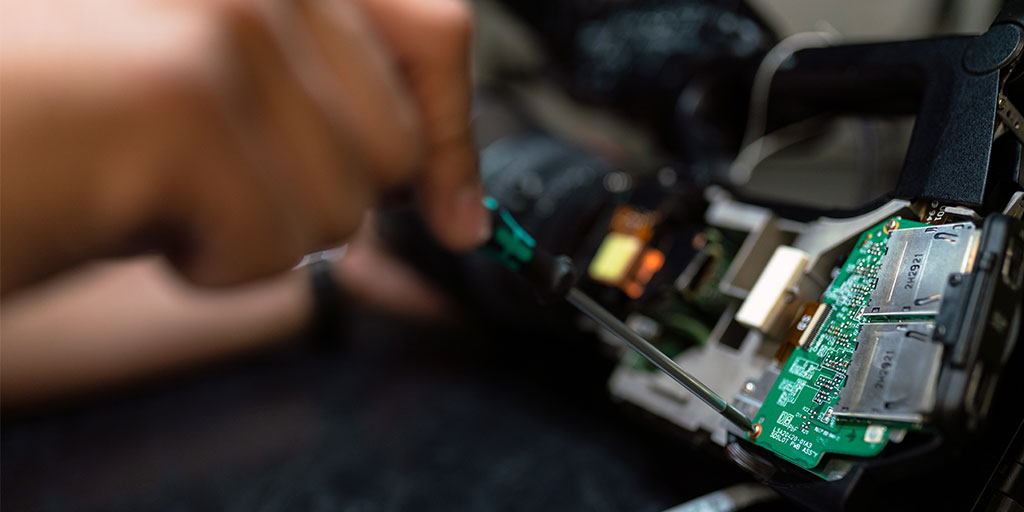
[
  {"x": 756, "y": 144},
  {"x": 758, "y": 111},
  {"x": 742, "y": 167}
]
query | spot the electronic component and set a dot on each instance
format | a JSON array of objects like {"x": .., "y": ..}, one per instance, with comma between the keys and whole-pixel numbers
[
  {"x": 807, "y": 324},
  {"x": 892, "y": 375},
  {"x": 803, "y": 330},
  {"x": 767, "y": 298},
  {"x": 937, "y": 213},
  {"x": 797, "y": 416},
  {"x": 623, "y": 259},
  {"x": 649, "y": 264},
  {"x": 614, "y": 258},
  {"x": 916, "y": 264}
]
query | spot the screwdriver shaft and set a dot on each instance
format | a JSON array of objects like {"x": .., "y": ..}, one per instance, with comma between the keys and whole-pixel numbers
[{"x": 600, "y": 315}]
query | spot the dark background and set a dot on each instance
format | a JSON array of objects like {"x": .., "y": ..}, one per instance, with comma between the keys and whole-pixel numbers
[{"x": 396, "y": 416}]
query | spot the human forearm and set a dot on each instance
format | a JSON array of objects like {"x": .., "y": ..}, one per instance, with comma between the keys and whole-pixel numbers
[{"x": 115, "y": 323}]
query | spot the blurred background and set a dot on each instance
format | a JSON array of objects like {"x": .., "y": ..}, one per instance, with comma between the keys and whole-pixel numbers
[{"x": 498, "y": 407}]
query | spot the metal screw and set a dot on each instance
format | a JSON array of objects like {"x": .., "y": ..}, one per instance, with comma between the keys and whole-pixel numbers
[{"x": 754, "y": 432}]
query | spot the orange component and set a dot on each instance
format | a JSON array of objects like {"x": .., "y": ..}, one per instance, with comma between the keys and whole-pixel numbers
[
  {"x": 628, "y": 223},
  {"x": 633, "y": 222},
  {"x": 650, "y": 263},
  {"x": 633, "y": 289}
]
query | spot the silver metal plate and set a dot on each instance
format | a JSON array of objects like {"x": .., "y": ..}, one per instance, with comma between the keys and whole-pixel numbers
[
  {"x": 892, "y": 375},
  {"x": 916, "y": 266}
]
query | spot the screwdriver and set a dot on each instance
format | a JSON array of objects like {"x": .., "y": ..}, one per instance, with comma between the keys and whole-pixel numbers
[{"x": 554, "y": 277}]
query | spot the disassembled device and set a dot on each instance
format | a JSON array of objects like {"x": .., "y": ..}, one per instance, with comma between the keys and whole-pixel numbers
[
  {"x": 839, "y": 372},
  {"x": 846, "y": 334},
  {"x": 875, "y": 348},
  {"x": 511, "y": 245}
]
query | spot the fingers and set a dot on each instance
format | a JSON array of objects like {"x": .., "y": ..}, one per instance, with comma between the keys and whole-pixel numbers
[
  {"x": 360, "y": 85},
  {"x": 233, "y": 227},
  {"x": 372, "y": 275},
  {"x": 314, "y": 166},
  {"x": 293, "y": 117},
  {"x": 431, "y": 40},
  {"x": 297, "y": 142}
]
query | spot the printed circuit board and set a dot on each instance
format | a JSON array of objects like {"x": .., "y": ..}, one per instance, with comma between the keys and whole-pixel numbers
[{"x": 798, "y": 416}]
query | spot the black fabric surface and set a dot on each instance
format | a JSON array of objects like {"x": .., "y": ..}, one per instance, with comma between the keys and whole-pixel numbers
[{"x": 400, "y": 418}]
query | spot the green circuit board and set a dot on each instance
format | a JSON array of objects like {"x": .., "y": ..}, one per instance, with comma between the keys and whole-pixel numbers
[{"x": 797, "y": 416}]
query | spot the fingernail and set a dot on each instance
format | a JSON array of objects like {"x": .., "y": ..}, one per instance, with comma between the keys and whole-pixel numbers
[{"x": 473, "y": 216}]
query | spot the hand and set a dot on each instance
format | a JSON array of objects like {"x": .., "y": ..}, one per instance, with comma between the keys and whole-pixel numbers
[
  {"x": 371, "y": 275},
  {"x": 115, "y": 322},
  {"x": 236, "y": 135}
]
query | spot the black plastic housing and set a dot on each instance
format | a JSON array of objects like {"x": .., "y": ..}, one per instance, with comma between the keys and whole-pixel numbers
[{"x": 979, "y": 323}]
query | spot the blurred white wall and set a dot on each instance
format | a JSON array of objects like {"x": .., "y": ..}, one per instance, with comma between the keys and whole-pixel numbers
[{"x": 874, "y": 19}]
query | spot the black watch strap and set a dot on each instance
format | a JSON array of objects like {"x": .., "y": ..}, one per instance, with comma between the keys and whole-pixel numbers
[{"x": 329, "y": 305}]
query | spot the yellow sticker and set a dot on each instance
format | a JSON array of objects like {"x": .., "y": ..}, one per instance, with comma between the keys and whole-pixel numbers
[{"x": 614, "y": 258}]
